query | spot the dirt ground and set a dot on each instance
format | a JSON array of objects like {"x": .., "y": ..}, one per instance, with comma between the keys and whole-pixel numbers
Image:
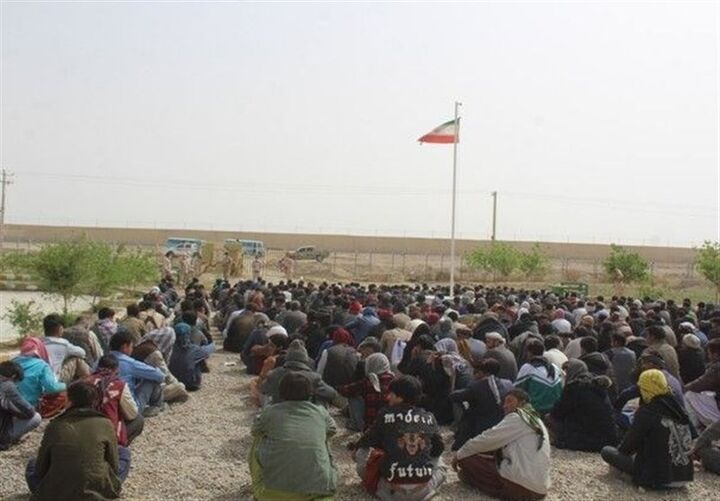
[{"x": 198, "y": 451}]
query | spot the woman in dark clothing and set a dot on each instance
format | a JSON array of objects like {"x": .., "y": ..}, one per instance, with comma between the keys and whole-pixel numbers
[
  {"x": 421, "y": 330},
  {"x": 582, "y": 420},
  {"x": 481, "y": 402},
  {"x": 427, "y": 366},
  {"x": 659, "y": 438}
]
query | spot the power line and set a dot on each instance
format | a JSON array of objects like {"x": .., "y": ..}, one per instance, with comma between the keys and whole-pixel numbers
[
  {"x": 378, "y": 191},
  {"x": 5, "y": 180}
]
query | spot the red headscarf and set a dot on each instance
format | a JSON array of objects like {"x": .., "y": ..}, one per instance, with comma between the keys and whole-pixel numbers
[
  {"x": 341, "y": 336},
  {"x": 34, "y": 347},
  {"x": 355, "y": 307}
]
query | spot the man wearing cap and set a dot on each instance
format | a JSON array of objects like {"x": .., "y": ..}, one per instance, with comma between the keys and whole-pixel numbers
[{"x": 297, "y": 361}]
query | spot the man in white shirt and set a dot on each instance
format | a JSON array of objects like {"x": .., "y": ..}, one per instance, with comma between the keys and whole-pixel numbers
[
  {"x": 524, "y": 470},
  {"x": 66, "y": 359}
]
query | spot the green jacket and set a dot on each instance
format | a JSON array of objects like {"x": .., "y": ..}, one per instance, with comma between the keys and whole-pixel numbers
[
  {"x": 78, "y": 458},
  {"x": 292, "y": 449}
]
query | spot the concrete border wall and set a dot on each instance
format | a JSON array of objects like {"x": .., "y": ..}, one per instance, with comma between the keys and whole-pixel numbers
[{"x": 334, "y": 243}]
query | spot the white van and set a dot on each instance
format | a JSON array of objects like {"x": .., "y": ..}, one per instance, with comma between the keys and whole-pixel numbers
[{"x": 249, "y": 247}]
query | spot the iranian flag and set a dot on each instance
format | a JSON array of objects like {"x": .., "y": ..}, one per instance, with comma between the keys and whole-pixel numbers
[{"x": 445, "y": 133}]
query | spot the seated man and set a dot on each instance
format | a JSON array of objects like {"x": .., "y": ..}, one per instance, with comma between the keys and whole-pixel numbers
[
  {"x": 539, "y": 378},
  {"x": 133, "y": 324},
  {"x": 656, "y": 447},
  {"x": 367, "y": 396},
  {"x": 288, "y": 434},
  {"x": 79, "y": 335},
  {"x": 512, "y": 459},
  {"x": 117, "y": 403},
  {"x": 701, "y": 394},
  {"x": 187, "y": 358},
  {"x": 481, "y": 402},
  {"x": 39, "y": 385},
  {"x": 144, "y": 381},
  {"x": 66, "y": 360},
  {"x": 79, "y": 457},
  {"x": 148, "y": 352},
  {"x": 297, "y": 360},
  {"x": 622, "y": 359},
  {"x": 399, "y": 457},
  {"x": 17, "y": 416}
]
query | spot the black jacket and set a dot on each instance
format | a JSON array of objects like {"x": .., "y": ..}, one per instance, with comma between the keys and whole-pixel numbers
[
  {"x": 489, "y": 325},
  {"x": 410, "y": 438},
  {"x": 584, "y": 417},
  {"x": 436, "y": 386},
  {"x": 692, "y": 363},
  {"x": 660, "y": 439},
  {"x": 481, "y": 409}
]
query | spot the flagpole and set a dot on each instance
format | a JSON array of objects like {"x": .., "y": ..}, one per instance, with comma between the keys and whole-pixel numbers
[{"x": 452, "y": 223}]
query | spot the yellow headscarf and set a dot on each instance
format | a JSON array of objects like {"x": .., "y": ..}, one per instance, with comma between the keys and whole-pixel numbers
[{"x": 653, "y": 383}]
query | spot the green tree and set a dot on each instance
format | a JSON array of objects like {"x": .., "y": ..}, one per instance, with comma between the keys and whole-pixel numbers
[
  {"x": 534, "y": 264},
  {"x": 61, "y": 268},
  {"x": 499, "y": 258},
  {"x": 707, "y": 262},
  {"x": 625, "y": 266},
  {"x": 83, "y": 266},
  {"x": 136, "y": 268}
]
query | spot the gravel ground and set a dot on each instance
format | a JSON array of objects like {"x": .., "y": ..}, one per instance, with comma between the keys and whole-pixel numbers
[{"x": 198, "y": 451}]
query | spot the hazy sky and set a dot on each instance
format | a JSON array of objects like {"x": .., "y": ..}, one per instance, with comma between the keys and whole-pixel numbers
[{"x": 594, "y": 121}]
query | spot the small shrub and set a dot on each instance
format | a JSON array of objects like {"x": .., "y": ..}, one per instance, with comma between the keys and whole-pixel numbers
[
  {"x": 534, "y": 264},
  {"x": 26, "y": 317},
  {"x": 625, "y": 266}
]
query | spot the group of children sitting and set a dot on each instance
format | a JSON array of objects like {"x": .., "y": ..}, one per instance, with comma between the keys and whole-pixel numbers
[{"x": 97, "y": 384}]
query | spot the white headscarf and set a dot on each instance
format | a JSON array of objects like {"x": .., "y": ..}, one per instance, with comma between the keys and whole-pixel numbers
[{"x": 376, "y": 364}]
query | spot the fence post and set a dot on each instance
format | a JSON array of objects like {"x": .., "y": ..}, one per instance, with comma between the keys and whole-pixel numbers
[
  {"x": 426, "y": 267},
  {"x": 652, "y": 270},
  {"x": 334, "y": 265},
  {"x": 392, "y": 263},
  {"x": 355, "y": 272},
  {"x": 442, "y": 262},
  {"x": 371, "y": 262},
  {"x": 403, "y": 263}
]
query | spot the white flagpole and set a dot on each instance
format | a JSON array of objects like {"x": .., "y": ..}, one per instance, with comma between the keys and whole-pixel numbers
[{"x": 452, "y": 223}]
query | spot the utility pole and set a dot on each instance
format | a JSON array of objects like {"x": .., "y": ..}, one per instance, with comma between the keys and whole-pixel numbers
[
  {"x": 4, "y": 182},
  {"x": 494, "y": 195}
]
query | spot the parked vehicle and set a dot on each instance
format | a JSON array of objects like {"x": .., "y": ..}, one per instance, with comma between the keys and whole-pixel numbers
[
  {"x": 179, "y": 246},
  {"x": 309, "y": 252},
  {"x": 249, "y": 247}
]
